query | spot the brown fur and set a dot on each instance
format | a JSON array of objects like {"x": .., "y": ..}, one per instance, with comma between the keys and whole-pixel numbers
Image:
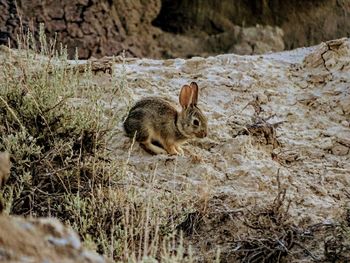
[{"x": 156, "y": 120}]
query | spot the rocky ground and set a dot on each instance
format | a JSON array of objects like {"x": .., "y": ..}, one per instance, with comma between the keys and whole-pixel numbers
[
  {"x": 243, "y": 164},
  {"x": 275, "y": 162},
  {"x": 305, "y": 91},
  {"x": 41, "y": 240}
]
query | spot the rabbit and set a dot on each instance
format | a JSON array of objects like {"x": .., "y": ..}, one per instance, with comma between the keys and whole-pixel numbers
[{"x": 160, "y": 128}]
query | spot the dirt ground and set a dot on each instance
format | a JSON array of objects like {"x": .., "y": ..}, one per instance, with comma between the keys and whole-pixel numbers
[
  {"x": 304, "y": 94},
  {"x": 272, "y": 177}
]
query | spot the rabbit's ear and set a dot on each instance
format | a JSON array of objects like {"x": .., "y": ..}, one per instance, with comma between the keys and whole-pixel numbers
[
  {"x": 186, "y": 95},
  {"x": 194, "y": 87}
]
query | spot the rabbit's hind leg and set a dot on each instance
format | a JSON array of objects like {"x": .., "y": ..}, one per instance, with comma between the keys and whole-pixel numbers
[{"x": 150, "y": 147}]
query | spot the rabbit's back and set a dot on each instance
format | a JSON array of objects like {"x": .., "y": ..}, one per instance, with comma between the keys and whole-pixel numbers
[{"x": 150, "y": 115}]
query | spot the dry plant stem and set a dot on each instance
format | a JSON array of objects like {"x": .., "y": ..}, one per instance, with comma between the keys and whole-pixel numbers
[
  {"x": 13, "y": 113},
  {"x": 308, "y": 252},
  {"x": 129, "y": 155},
  {"x": 148, "y": 207}
]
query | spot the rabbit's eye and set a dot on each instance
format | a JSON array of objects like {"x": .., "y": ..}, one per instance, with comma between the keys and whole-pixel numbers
[{"x": 196, "y": 122}]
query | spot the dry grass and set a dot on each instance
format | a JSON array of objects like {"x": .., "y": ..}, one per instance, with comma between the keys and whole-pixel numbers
[
  {"x": 56, "y": 127},
  {"x": 264, "y": 233}
]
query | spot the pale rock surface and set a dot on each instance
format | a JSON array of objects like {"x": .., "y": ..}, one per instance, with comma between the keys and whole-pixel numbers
[
  {"x": 41, "y": 240},
  {"x": 306, "y": 89}
]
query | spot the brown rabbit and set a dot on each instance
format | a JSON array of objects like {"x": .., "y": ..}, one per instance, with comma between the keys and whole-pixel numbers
[{"x": 160, "y": 128}]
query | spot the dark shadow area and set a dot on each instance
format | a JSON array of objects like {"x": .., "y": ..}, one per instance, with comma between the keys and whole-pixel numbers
[{"x": 183, "y": 28}]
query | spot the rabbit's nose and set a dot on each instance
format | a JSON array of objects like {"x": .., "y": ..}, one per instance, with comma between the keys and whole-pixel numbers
[{"x": 201, "y": 134}]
